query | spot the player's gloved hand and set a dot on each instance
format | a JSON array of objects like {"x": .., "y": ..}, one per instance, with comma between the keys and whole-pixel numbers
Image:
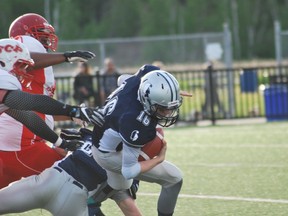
[
  {"x": 70, "y": 134},
  {"x": 71, "y": 145},
  {"x": 79, "y": 121},
  {"x": 96, "y": 116},
  {"x": 91, "y": 115},
  {"x": 78, "y": 56},
  {"x": 133, "y": 189},
  {"x": 85, "y": 132}
]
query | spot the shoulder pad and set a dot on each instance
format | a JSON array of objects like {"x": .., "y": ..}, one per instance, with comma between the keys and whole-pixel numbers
[
  {"x": 31, "y": 43},
  {"x": 8, "y": 81}
]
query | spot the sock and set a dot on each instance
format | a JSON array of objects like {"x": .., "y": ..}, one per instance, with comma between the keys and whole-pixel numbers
[{"x": 162, "y": 214}]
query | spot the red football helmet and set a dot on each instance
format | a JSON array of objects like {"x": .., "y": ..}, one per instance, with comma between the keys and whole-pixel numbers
[{"x": 36, "y": 26}]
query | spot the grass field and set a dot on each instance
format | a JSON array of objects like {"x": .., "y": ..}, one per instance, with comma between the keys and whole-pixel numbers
[{"x": 237, "y": 170}]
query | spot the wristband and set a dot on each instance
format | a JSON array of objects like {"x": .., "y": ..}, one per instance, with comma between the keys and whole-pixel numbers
[
  {"x": 66, "y": 57},
  {"x": 58, "y": 142}
]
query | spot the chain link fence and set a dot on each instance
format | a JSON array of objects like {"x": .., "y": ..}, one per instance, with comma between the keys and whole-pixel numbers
[
  {"x": 281, "y": 43},
  {"x": 171, "y": 49}
]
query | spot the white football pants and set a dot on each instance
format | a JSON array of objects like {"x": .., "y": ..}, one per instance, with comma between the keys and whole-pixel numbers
[{"x": 52, "y": 190}]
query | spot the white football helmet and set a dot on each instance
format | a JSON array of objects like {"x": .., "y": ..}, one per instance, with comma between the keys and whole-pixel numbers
[
  {"x": 15, "y": 58},
  {"x": 159, "y": 94}
]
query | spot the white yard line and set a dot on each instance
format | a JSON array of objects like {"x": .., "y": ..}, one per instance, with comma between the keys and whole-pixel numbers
[
  {"x": 223, "y": 198},
  {"x": 239, "y": 165},
  {"x": 234, "y": 146}
]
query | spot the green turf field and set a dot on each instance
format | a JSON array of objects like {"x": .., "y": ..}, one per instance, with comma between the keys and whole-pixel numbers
[{"x": 228, "y": 170}]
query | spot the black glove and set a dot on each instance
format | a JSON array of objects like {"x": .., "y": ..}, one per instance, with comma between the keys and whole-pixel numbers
[
  {"x": 85, "y": 132},
  {"x": 70, "y": 134},
  {"x": 71, "y": 145},
  {"x": 78, "y": 56},
  {"x": 133, "y": 189}
]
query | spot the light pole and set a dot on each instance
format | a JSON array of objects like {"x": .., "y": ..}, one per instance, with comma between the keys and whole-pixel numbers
[{"x": 47, "y": 10}]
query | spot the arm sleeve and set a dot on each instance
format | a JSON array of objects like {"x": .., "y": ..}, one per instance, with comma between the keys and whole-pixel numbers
[
  {"x": 19, "y": 100},
  {"x": 34, "y": 123},
  {"x": 130, "y": 165}
]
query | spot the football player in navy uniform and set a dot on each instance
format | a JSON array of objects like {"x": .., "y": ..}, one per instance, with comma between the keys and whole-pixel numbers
[
  {"x": 149, "y": 98},
  {"x": 64, "y": 188}
]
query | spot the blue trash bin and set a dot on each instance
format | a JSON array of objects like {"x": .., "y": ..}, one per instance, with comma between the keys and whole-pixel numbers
[
  {"x": 248, "y": 80},
  {"x": 276, "y": 102}
]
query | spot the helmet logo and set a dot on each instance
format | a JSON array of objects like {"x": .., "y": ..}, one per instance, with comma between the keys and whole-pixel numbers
[
  {"x": 10, "y": 48},
  {"x": 134, "y": 135},
  {"x": 147, "y": 90}
]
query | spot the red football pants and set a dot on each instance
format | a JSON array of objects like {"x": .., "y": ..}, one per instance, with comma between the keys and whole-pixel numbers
[{"x": 30, "y": 161}]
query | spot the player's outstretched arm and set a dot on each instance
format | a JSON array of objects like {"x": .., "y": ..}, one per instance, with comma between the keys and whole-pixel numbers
[
  {"x": 19, "y": 100},
  {"x": 34, "y": 123},
  {"x": 43, "y": 60}
]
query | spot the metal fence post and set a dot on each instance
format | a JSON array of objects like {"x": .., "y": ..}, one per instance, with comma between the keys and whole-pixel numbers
[
  {"x": 102, "y": 53},
  {"x": 211, "y": 89},
  {"x": 230, "y": 74},
  {"x": 98, "y": 98},
  {"x": 227, "y": 46},
  {"x": 277, "y": 35}
]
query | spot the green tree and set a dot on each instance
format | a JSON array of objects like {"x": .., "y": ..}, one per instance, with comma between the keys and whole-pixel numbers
[
  {"x": 251, "y": 22},
  {"x": 10, "y": 10}
]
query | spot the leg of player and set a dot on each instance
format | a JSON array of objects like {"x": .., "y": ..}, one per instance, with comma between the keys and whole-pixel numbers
[
  {"x": 111, "y": 162},
  {"x": 124, "y": 199},
  {"x": 14, "y": 197},
  {"x": 126, "y": 203},
  {"x": 165, "y": 174},
  {"x": 170, "y": 178},
  {"x": 94, "y": 208},
  {"x": 51, "y": 190}
]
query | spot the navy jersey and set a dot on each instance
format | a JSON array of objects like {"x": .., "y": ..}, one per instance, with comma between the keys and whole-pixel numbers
[
  {"x": 82, "y": 166},
  {"x": 125, "y": 118}
]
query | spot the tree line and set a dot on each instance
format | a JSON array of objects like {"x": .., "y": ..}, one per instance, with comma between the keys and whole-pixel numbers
[{"x": 251, "y": 21}]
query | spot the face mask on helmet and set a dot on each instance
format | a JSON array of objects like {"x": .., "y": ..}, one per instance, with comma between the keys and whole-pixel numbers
[
  {"x": 46, "y": 36},
  {"x": 159, "y": 94},
  {"x": 15, "y": 58},
  {"x": 35, "y": 26},
  {"x": 19, "y": 70},
  {"x": 165, "y": 116}
]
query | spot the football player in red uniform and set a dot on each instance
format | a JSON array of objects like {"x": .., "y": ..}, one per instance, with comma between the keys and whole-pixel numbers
[{"x": 22, "y": 153}]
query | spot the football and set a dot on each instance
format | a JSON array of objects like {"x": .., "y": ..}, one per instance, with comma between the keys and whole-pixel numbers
[{"x": 152, "y": 148}]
